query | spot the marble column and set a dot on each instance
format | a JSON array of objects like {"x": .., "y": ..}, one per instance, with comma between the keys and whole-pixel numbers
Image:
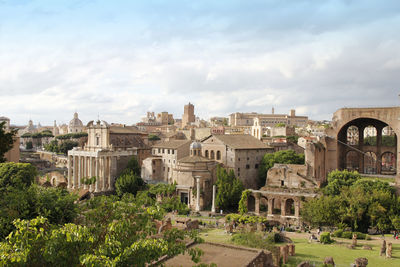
[
  {"x": 113, "y": 166},
  {"x": 213, "y": 198},
  {"x": 69, "y": 171},
  {"x": 198, "y": 194},
  {"x": 97, "y": 171},
  {"x": 86, "y": 174},
  {"x": 76, "y": 163},
  {"x": 91, "y": 163}
]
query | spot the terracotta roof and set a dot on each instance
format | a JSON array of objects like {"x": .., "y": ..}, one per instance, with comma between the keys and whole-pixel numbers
[
  {"x": 239, "y": 141},
  {"x": 125, "y": 130},
  {"x": 193, "y": 159},
  {"x": 172, "y": 144}
]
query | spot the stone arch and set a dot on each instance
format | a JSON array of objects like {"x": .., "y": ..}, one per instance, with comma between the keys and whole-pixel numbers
[
  {"x": 388, "y": 160},
  {"x": 370, "y": 140},
  {"x": 289, "y": 207},
  {"x": 218, "y": 155},
  {"x": 276, "y": 206},
  {"x": 370, "y": 163},
  {"x": 206, "y": 154},
  {"x": 263, "y": 204},
  {"x": 388, "y": 137},
  {"x": 212, "y": 154},
  {"x": 352, "y": 160},
  {"x": 251, "y": 203}
]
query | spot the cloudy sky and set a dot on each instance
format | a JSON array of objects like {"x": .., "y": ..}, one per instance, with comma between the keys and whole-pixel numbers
[{"x": 119, "y": 59}]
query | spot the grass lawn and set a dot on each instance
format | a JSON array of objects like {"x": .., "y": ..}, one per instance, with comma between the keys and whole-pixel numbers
[{"x": 316, "y": 252}]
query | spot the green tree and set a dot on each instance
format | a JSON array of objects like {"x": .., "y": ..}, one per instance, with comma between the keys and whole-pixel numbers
[
  {"x": 339, "y": 179},
  {"x": 283, "y": 156},
  {"x": 153, "y": 137},
  {"x": 229, "y": 190},
  {"x": 6, "y": 140},
  {"x": 17, "y": 175},
  {"x": 67, "y": 145},
  {"x": 323, "y": 211},
  {"x": 128, "y": 182},
  {"x": 133, "y": 166},
  {"x": 29, "y": 145}
]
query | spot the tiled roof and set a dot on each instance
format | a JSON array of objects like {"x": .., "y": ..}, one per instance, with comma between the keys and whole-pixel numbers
[
  {"x": 239, "y": 141},
  {"x": 173, "y": 144}
]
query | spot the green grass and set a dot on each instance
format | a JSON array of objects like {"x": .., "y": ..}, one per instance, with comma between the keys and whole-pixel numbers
[{"x": 316, "y": 252}]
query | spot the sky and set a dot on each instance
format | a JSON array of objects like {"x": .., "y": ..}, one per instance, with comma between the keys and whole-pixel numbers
[{"x": 117, "y": 59}]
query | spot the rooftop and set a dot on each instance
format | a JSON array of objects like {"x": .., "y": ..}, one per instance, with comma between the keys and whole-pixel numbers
[
  {"x": 173, "y": 144},
  {"x": 239, "y": 141}
]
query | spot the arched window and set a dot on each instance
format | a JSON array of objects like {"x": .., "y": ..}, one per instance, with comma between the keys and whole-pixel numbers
[
  {"x": 218, "y": 155},
  {"x": 212, "y": 154},
  {"x": 352, "y": 161},
  {"x": 370, "y": 163},
  {"x": 289, "y": 207},
  {"x": 206, "y": 155},
  {"x": 352, "y": 135},
  {"x": 370, "y": 134}
]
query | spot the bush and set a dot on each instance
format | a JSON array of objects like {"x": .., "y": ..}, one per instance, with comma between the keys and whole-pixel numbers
[
  {"x": 255, "y": 240},
  {"x": 338, "y": 233},
  {"x": 326, "y": 238},
  {"x": 348, "y": 235}
]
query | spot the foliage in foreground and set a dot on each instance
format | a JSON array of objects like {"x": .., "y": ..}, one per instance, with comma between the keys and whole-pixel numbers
[{"x": 111, "y": 232}]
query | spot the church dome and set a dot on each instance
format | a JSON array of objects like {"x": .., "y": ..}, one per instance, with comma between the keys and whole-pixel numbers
[
  {"x": 195, "y": 145},
  {"x": 75, "y": 122}
]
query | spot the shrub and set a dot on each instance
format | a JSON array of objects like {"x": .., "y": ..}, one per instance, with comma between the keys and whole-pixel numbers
[
  {"x": 254, "y": 240},
  {"x": 128, "y": 183},
  {"x": 338, "y": 233},
  {"x": 348, "y": 235},
  {"x": 326, "y": 238}
]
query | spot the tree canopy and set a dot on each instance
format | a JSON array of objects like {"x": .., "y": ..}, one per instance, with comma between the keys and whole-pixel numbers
[
  {"x": 349, "y": 200},
  {"x": 229, "y": 190}
]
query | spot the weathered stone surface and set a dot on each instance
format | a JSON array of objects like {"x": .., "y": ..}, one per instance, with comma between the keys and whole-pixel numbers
[
  {"x": 190, "y": 225},
  {"x": 292, "y": 251},
  {"x": 389, "y": 250},
  {"x": 350, "y": 246},
  {"x": 383, "y": 248},
  {"x": 354, "y": 240},
  {"x": 329, "y": 260},
  {"x": 165, "y": 226},
  {"x": 361, "y": 262},
  {"x": 304, "y": 264},
  {"x": 284, "y": 253}
]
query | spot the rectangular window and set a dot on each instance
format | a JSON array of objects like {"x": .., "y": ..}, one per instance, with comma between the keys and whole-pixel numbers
[
  {"x": 163, "y": 151},
  {"x": 159, "y": 150},
  {"x": 168, "y": 151},
  {"x": 247, "y": 166},
  {"x": 248, "y": 158},
  {"x": 256, "y": 166},
  {"x": 282, "y": 183},
  {"x": 154, "y": 171},
  {"x": 238, "y": 169},
  {"x": 173, "y": 151},
  {"x": 238, "y": 159}
]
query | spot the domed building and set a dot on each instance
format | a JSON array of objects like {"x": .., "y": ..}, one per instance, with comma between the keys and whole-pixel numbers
[
  {"x": 75, "y": 125},
  {"x": 195, "y": 176}
]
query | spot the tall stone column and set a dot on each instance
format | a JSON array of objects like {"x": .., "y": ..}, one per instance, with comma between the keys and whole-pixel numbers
[
  {"x": 257, "y": 204},
  {"x": 270, "y": 206},
  {"x": 198, "y": 194},
  {"x": 69, "y": 172},
  {"x": 297, "y": 208},
  {"x": 97, "y": 171},
  {"x": 91, "y": 163},
  {"x": 79, "y": 171},
  {"x": 76, "y": 174},
  {"x": 113, "y": 170},
  {"x": 86, "y": 173},
  {"x": 213, "y": 198},
  {"x": 283, "y": 207}
]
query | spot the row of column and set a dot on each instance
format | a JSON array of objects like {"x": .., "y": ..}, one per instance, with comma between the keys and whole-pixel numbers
[
  {"x": 80, "y": 167},
  {"x": 271, "y": 203}
]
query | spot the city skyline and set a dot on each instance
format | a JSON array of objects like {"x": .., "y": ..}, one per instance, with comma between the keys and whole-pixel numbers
[{"x": 119, "y": 60}]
